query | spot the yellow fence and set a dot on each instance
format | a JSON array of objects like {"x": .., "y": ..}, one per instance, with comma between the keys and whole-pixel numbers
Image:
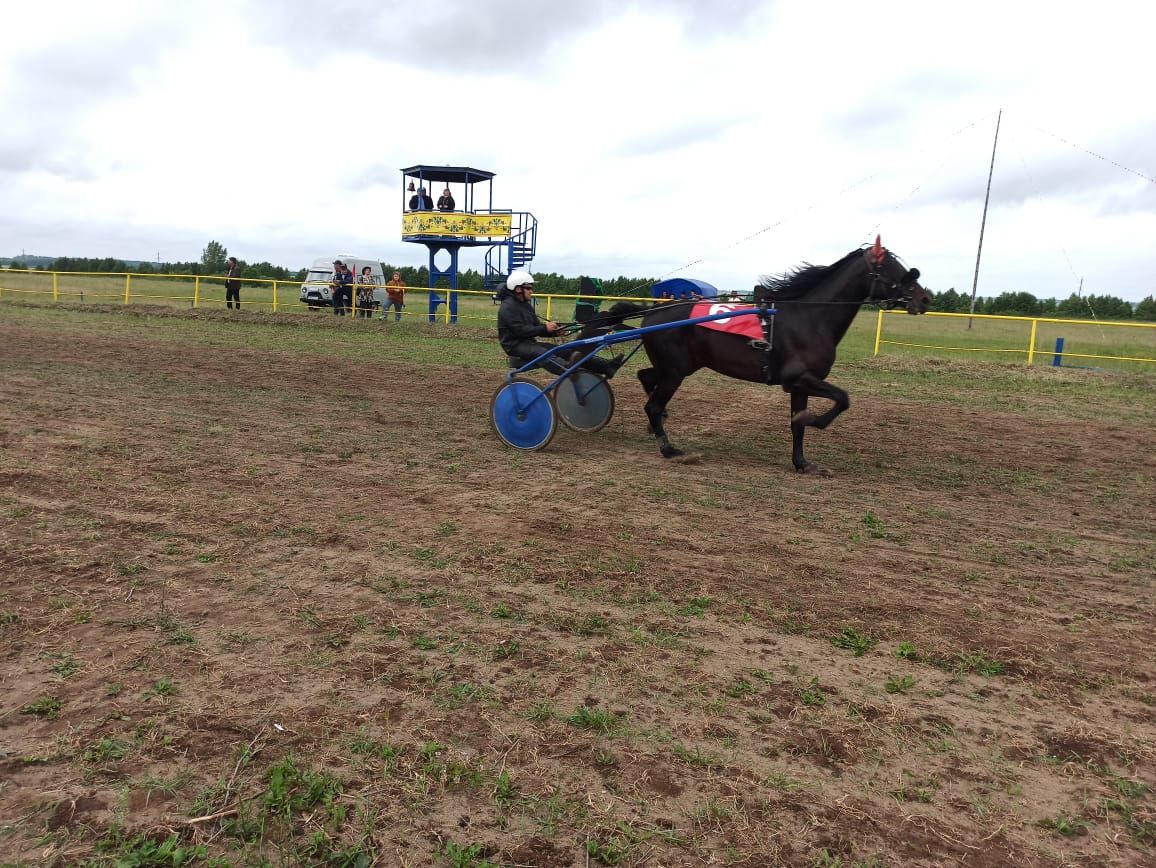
[
  {"x": 259, "y": 294},
  {"x": 982, "y": 336},
  {"x": 1022, "y": 336}
]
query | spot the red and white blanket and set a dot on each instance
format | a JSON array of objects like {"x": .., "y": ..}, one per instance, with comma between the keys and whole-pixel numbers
[{"x": 748, "y": 325}]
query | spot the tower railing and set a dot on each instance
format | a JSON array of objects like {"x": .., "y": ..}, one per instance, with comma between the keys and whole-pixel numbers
[{"x": 517, "y": 251}]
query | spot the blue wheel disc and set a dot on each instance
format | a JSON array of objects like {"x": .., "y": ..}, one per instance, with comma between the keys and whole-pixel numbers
[{"x": 523, "y": 415}]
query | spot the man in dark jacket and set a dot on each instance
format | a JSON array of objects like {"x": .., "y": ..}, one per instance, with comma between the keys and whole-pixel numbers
[
  {"x": 233, "y": 284},
  {"x": 341, "y": 288},
  {"x": 420, "y": 201},
  {"x": 518, "y": 326}
]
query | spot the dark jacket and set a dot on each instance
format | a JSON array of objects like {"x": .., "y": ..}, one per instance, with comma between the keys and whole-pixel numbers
[
  {"x": 517, "y": 322},
  {"x": 342, "y": 280},
  {"x": 446, "y": 203},
  {"x": 232, "y": 282},
  {"x": 420, "y": 202}
]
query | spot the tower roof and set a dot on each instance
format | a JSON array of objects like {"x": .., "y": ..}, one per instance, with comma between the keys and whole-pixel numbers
[{"x": 448, "y": 174}]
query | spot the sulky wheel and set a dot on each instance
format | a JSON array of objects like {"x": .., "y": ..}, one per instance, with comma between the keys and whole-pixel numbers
[
  {"x": 584, "y": 401},
  {"x": 523, "y": 415}
]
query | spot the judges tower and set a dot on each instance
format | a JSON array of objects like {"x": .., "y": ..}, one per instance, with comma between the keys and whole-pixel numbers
[{"x": 511, "y": 236}]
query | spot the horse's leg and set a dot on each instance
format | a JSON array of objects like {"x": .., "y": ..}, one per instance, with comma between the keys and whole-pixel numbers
[
  {"x": 660, "y": 395},
  {"x": 804, "y": 387},
  {"x": 799, "y": 413},
  {"x": 649, "y": 380}
]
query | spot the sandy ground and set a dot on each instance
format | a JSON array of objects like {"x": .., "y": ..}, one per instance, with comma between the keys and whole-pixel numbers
[{"x": 331, "y": 620}]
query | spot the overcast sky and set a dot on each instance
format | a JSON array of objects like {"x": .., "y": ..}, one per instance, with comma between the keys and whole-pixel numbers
[{"x": 716, "y": 140}]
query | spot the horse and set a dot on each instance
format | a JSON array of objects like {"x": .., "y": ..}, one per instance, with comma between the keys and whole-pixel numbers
[{"x": 814, "y": 307}]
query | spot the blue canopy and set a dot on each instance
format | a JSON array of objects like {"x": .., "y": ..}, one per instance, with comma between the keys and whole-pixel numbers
[{"x": 683, "y": 287}]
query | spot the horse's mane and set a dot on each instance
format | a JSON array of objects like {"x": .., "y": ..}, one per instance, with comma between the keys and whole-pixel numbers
[{"x": 800, "y": 282}]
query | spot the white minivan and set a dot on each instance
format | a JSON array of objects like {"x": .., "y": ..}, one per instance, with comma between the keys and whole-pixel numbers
[{"x": 315, "y": 289}]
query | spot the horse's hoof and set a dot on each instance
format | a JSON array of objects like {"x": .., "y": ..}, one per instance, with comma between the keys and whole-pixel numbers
[
  {"x": 803, "y": 417},
  {"x": 671, "y": 452},
  {"x": 813, "y": 469}
]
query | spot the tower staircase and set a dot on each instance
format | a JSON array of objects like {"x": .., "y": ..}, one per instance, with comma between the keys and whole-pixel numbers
[{"x": 517, "y": 251}]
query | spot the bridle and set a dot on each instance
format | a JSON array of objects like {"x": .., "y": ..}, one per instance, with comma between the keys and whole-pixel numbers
[{"x": 884, "y": 291}]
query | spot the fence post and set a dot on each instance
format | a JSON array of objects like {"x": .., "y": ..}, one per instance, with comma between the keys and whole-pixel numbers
[
  {"x": 55, "y": 288},
  {"x": 196, "y": 291},
  {"x": 274, "y": 296},
  {"x": 127, "y": 286},
  {"x": 878, "y": 330},
  {"x": 1058, "y": 358},
  {"x": 1032, "y": 342}
]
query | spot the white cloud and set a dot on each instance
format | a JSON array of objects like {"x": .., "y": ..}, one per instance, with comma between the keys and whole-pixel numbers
[{"x": 644, "y": 136}]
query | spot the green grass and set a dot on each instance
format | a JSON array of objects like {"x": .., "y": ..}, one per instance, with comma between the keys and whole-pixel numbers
[
  {"x": 855, "y": 642},
  {"x": 906, "y": 651},
  {"x": 46, "y": 706},
  {"x": 596, "y": 719},
  {"x": 143, "y": 851},
  {"x": 899, "y": 684},
  {"x": 106, "y": 750},
  {"x": 939, "y": 336}
]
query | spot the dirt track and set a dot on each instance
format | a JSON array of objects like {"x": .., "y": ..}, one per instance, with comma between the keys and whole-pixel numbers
[{"x": 211, "y": 566}]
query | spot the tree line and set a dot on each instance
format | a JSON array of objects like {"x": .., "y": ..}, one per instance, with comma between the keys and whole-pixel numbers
[
  {"x": 215, "y": 255},
  {"x": 1025, "y": 304}
]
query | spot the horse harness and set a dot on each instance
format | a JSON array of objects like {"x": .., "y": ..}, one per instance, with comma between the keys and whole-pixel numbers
[{"x": 767, "y": 344}]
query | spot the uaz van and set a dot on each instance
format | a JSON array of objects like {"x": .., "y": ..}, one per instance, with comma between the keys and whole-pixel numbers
[{"x": 315, "y": 289}]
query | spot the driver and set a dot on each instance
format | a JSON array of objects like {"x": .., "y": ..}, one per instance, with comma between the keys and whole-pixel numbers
[{"x": 518, "y": 326}]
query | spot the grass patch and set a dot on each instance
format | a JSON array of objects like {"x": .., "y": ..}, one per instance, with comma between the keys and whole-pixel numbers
[
  {"x": 979, "y": 664},
  {"x": 900, "y": 684},
  {"x": 1063, "y": 825},
  {"x": 105, "y": 751},
  {"x": 47, "y": 707},
  {"x": 143, "y": 851},
  {"x": 596, "y": 719},
  {"x": 695, "y": 607},
  {"x": 853, "y": 641}
]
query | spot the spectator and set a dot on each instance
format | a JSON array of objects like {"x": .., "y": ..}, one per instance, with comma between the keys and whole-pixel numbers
[
  {"x": 446, "y": 202},
  {"x": 396, "y": 297},
  {"x": 365, "y": 300},
  {"x": 341, "y": 288},
  {"x": 420, "y": 201},
  {"x": 518, "y": 325},
  {"x": 233, "y": 284}
]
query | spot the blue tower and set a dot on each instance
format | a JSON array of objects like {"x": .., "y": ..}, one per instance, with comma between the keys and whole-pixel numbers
[{"x": 473, "y": 221}]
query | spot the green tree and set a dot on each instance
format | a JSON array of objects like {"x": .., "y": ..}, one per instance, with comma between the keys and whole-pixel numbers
[
  {"x": 1094, "y": 307},
  {"x": 1013, "y": 304},
  {"x": 214, "y": 256},
  {"x": 1146, "y": 309},
  {"x": 948, "y": 301}
]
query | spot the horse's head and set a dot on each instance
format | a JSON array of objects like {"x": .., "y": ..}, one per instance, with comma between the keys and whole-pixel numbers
[{"x": 893, "y": 284}]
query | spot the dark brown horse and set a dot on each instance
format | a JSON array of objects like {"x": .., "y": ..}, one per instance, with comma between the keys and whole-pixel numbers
[{"x": 815, "y": 306}]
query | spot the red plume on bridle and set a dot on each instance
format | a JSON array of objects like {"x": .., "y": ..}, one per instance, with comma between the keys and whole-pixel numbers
[{"x": 877, "y": 251}]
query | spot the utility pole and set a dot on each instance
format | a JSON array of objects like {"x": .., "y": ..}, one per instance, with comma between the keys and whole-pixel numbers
[{"x": 983, "y": 222}]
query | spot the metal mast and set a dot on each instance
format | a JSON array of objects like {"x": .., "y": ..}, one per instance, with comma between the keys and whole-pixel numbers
[{"x": 983, "y": 222}]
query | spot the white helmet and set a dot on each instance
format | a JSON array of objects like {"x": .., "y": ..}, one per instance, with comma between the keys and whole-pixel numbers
[{"x": 518, "y": 278}]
